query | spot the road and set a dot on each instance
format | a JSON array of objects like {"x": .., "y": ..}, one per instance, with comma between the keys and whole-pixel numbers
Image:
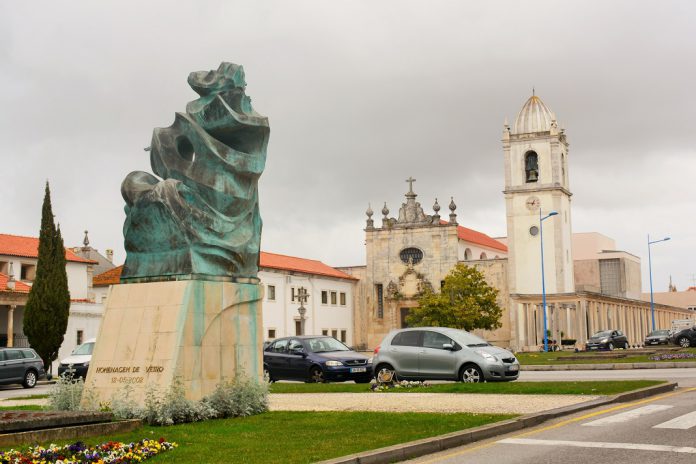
[
  {"x": 685, "y": 377},
  {"x": 656, "y": 430},
  {"x": 15, "y": 391}
]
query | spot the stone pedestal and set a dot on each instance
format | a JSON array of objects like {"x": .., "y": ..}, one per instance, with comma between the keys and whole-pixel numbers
[{"x": 200, "y": 331}]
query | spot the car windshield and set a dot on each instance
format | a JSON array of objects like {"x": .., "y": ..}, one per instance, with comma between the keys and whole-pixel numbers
[
  {"x": 658, "y": 333},
  {"x": 606, "y": 333},
  {"x": 85, "y": 348},
  {"x": 468, "y": 339},
  {"x": 325, "y": 344}
]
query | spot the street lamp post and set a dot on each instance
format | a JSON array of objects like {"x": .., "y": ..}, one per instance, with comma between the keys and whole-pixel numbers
[
  {"x": 543, "y": 282},
  {"x": 652, "y": 300},
  {"x": 302, "y": 298}
]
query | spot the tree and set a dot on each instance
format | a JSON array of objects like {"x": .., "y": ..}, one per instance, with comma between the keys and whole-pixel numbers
[
  {"x": 48, "y": 305},
  {"x": 466, "y": 301}
]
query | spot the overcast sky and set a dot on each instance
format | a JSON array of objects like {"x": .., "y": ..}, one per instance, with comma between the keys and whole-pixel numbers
[{"x": 360, "y": 95}]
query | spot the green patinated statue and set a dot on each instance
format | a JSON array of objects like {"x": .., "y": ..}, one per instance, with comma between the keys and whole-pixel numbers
[{"x": 202, "y": 220}]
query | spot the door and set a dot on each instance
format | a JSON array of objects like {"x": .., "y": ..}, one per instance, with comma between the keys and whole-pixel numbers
[
  {"x": 276, "y": 357},
  {"x": 434, "y": 361},
  {"x": 404, "y": 351},
  {"x": 404, "y": 313},
  {"x": 298, "y": 365},
  {"x": 14, "y": 364}
]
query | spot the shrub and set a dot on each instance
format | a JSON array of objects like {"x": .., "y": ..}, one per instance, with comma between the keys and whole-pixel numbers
[
  {"x": 241, "y": 397},
  {"x": 66, "y": 394}
]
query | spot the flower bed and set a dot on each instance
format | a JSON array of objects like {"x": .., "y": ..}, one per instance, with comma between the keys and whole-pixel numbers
[
  {"x": 379, "y": 386},
  {"x": 668, "y": 356},
  {"x": 109, "y": 452}
]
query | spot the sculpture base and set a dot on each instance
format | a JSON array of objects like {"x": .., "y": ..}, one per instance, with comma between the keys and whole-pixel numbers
[{"x": 202, "y": 332}]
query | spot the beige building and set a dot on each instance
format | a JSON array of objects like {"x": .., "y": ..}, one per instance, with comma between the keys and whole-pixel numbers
[{"x": 590, "y": 284}]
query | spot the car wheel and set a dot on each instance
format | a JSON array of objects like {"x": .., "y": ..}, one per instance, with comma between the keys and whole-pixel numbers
[
  {"x": 316, "y": 375},
  {"x": 684, "y": 342},
  {"x": 29, "y": 379},
  {"x": 471, "y": 374},
  {"x": 385, "y": 374},
  {"x": 267, "y": 375},
  {"x": 610, "y": 346},
  {"x": 625, "y": 347}
]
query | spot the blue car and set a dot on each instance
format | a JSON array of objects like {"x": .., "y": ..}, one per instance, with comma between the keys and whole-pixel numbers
[{"x": 315, "y": 359}]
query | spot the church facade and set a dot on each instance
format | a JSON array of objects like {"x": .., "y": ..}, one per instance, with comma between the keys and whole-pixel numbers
[{"x": 414, "y": 251}]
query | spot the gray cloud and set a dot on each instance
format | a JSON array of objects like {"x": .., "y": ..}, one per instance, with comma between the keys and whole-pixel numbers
[{"x": 360, "y": 95}]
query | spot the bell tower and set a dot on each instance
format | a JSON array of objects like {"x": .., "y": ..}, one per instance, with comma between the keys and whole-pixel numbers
[{"x": 536, "y": 179}]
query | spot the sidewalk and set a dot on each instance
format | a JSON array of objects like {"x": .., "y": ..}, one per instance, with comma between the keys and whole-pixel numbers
[{"x": 608, "y": 366}]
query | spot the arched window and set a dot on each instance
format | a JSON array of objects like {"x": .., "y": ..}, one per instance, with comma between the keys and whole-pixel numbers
[
  {"x": 531, "y": 166},
  {"x": 483, "y": 255},
  {"x": 467, "y": 254}
]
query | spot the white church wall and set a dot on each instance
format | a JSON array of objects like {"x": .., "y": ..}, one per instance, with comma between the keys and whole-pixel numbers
[
  {"x": 84, "y": 317},
  {"x": 478, "y": 252}
]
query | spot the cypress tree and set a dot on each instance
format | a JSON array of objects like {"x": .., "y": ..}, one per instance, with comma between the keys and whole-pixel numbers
[{"x": 48, "y": 305}]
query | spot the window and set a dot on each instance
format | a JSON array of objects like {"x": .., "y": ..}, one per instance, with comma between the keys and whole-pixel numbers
[
  {"x": 534, "y": 231},
  {"x": 411, "y": 255},
  {"x": 11, "y": 355},
  {"x": 334, "y": 333},
  {"x": 531, "y": 166},
  {"x": 467, "y": 254},
  {"x": 435, "y": 340},
  {"x": 325, "y": 331},
  {"x": 4, "y": 267},
  {"x": 333, "y": 298},
  {"x": 271, "y": 292},
  {"x": 281, "y": 346},
  {"x": 343, "y": 298},
  {"x": 298, "y": 327},
  {"x": 483, "y": 255},
  {"x": 271, "y": 334},
  {"x": 380, "y": 301},
  {"x": 343, "y": 336},
  {"x": 442, "y": 284},
  {"x": 292, "y": 293},
  {"x": 28, "y": 354},
  {"x": 324, "y": 297},
  {"x": 295, "y": 346},
  {"x": 28, "y": 272},
  {"x": 78, "y": 339},
  {"x": 409, "y": 338}
]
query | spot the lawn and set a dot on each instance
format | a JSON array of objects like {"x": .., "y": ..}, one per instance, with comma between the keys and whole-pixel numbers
[
  {"x": 570, "y": 357},
  {"x": 514, "y": 388},
  {"x": 298, "y": 437},
  {"x": 28, "y": 407}
]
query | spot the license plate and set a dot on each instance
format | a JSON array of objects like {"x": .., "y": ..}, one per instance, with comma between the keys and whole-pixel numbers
[
  {"x": 653, "y": 343},
  {"x": 593, "y": 347},
  {"x": 514, "y": 368},
  {"x": 358, "y": 369}
]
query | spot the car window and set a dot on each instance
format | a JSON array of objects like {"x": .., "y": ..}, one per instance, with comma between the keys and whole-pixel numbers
[
  {"x": 295, "y": 345},
  {"x": 28, "y": 354},
  {"x": 11, "y": 355},
  {"x": 408, "y": 338},
  {"x": 325, "y": 344},
  {"x": 2, "y": 355},
  {"x": 85, "y": 348},
  {"x": 435, "y": 340},
  {"x": 280, "y": 346},
  {"x": 619, "y": 333}
]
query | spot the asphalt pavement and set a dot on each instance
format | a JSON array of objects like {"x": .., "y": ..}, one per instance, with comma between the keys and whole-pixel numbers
[
  {"x": 15, "y": 391},
  {"x": 657, "y": 430}
]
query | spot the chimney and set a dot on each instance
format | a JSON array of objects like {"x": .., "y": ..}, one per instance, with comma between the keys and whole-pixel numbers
[{"x": 110, "y": 255}]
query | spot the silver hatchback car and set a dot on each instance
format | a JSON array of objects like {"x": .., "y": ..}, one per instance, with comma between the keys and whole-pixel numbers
[{"x": 440, "y": 353}]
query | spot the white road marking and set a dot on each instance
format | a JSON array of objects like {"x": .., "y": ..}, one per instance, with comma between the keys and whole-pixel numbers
[
  {"x": 684, "y": 422},
  {"x": 628, "y": 415},
  {"x": 599, "y": 444}
]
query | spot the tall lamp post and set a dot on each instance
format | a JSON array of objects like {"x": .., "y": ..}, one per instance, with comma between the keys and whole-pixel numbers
[
  {"x": 302, "y": 298},
  {"x": 652, "y": 301},
  {"x": 543, "y": 282}
]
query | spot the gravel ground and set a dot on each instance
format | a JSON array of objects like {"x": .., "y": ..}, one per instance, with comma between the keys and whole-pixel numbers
[{"x": 422, "y": 402}]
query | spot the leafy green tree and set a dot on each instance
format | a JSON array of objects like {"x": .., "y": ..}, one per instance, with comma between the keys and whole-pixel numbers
[
  {"x": 48, "y": 305},
  {"x": 466, "y": 301}
]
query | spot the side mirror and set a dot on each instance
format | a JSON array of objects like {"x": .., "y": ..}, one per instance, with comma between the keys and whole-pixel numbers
[
  {"x": 298, "y": 351},
  {"x": 448, "y": 346}
]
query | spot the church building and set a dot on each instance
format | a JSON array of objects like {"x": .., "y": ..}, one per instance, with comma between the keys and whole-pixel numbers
[{"x": 589, "y": 284}]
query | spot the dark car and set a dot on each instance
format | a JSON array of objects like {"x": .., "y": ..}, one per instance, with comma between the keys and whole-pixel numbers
[
  {"x": 657, "y": 337},
  {"x": 685, "y": 338},
  {"x": 607, "y": 340},
  {"x": 315, "y": 359},
  {"x": 20, "y": 365}
]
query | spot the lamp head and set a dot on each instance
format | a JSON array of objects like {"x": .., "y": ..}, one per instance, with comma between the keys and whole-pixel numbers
[{"x": 553, "y": 213}]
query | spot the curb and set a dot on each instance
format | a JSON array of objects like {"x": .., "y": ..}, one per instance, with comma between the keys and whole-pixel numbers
[
  {"x": 414, "y": 449},
  {"x": 607, "y": 367}
]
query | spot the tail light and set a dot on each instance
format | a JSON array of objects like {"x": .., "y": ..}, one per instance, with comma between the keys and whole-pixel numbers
[{"x": 377, "y": 349}]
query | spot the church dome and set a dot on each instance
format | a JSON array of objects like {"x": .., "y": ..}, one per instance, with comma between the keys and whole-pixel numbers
[{"x": 534, "y": 116}]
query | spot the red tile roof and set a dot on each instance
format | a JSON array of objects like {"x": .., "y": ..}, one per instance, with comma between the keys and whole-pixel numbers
[
  {"x": 268, "y": 260},
  {"x": 479, "y": 238},
  {"x": 28, "y": 247},
  {"x": 20, "y": 287},
  {"x": 306, "y": 266}
]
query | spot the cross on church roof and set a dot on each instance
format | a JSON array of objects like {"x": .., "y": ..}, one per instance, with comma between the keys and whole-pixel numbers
[{"x": 410, "y": 181}]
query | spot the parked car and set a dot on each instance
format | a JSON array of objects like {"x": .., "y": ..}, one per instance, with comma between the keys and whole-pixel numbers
[
  {"x": 20, "y": 365},
  {"x": 440, "y": 353},
  {"x": 685, "y": 338},
  {"x": 315, "y": 359},
  {"x": 78, "y": 361},
  {"x": 607, "y": 340},
  {"x": 657, "y": 337}
]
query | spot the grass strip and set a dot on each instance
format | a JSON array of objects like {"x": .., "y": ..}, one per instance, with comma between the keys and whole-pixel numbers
[
  {"x": 511, "y": 388},
  {"x": 561, "y": 357},
  {"x": 26, "y": 407},
  {"x": 298, "y": 437}
]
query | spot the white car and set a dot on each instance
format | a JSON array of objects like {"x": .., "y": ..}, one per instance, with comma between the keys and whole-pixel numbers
[{"x": 78, "y": 361}]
